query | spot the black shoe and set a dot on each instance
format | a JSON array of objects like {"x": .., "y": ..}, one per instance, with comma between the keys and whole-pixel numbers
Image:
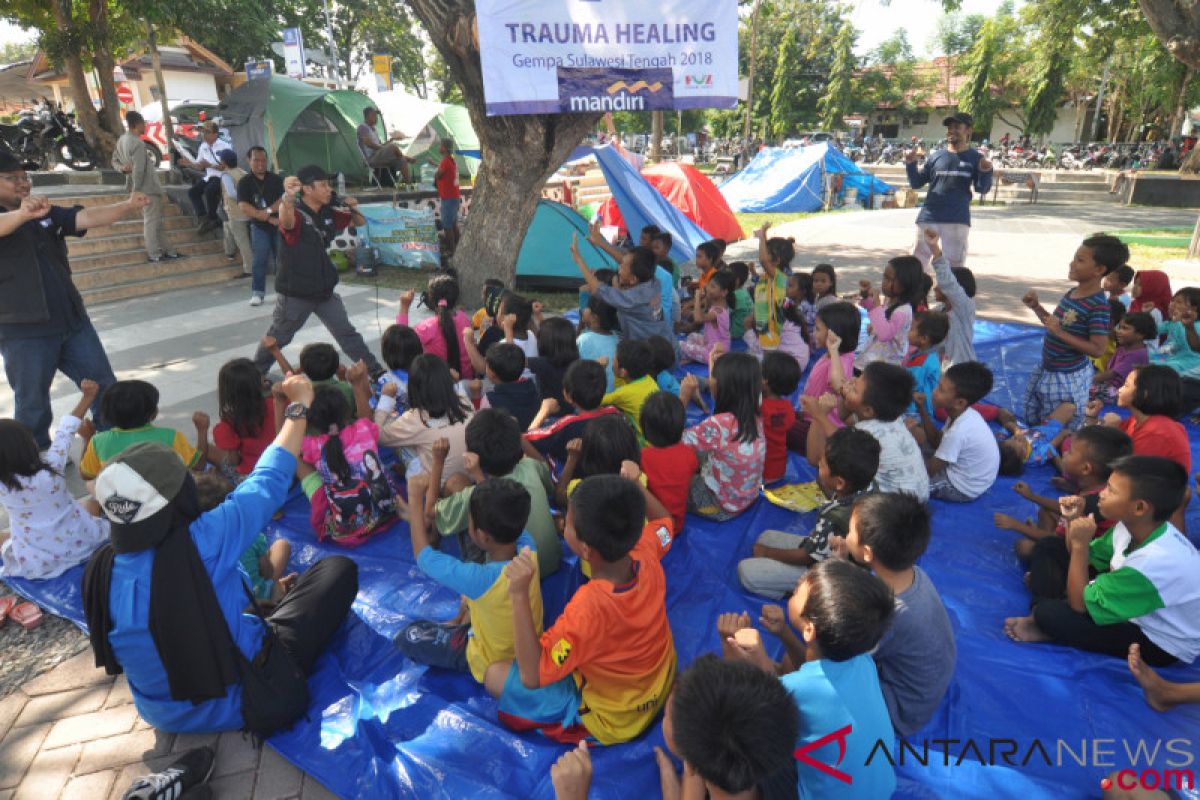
[
  {"x": 192, "y": 769},
  {"x": 173, "y": 256}
]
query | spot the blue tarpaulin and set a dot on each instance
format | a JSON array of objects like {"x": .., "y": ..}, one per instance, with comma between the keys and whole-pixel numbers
[
  {"x": 383, "y": 727},
  {"x": 792, "y": 179}
]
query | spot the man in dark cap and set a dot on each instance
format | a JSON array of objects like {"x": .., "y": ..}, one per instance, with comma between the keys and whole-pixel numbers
[
  {"x": 164, "y": 600},
  {"x": 951, "y": 175}
]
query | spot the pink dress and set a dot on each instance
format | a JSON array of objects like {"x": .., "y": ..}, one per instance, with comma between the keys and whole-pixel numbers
[
  {"x": 697, "y": 346},
  {"x": 888, "y": 339},
  {"x": 429, "y": 331},
  {"x": 350, "y": 511},
  {"x": 818, "y": 380}
]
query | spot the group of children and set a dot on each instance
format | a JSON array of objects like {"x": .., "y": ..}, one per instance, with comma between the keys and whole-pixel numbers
[{"x": 511, "y": 433}]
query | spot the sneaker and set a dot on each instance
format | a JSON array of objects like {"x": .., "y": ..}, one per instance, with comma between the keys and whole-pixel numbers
[
  {"x": 192, "y": 769},
  {"x": 256, "y": 299},
  {"x": 154, "y": 259},
  {"x": 173, "y": 256}
]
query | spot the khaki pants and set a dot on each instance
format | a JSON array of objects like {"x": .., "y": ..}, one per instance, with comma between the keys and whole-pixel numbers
[
  {"x": 954, "y": 243},
  {"x": 152, "y": 227},
  {"x": 237, "y": 234}
]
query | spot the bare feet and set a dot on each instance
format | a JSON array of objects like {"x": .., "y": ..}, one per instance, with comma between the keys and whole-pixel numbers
[
  {"x": 1024, "y": 629},
  {"x": 1156, "y": 689}
]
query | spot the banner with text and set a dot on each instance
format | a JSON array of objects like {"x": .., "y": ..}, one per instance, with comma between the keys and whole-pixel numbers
[
  {"x": 404, "y": 237},
  {"x": 564, "y": 56}
]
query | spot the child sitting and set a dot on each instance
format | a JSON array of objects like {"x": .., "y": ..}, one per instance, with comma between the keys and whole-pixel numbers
[
  {"x": 708, "y": 261},
  {"x": 730, "y": 443},
  {"x": 557, "y": 351},
  {"x": 481, "y": 633},
  {"x": 877, "y": 398},
  {"x": 264, "y": 564},
  {"x": 435, "y": 411},
  {"x": 846, "y": 472},
  {"x": 661, "y": 244},
  {"x": 516, "y": 395},
  {"x": 1077, "y": 329},
  {"x": 1116, "y": 283},
  {"x": 662, "y": 356},
  {"x": 824, "y": 283},
  {"x": 583, "y": 388},
  {"x": 130, "y": 407},
  {"x": 605, "y": 668},
  {"x": 801, "y": 295},
  {"x": 966, "y": 457},
  {"x": 928, "y": 330},
  {"x": 598, "y": 340},
  {"x": 342, "y": 473},
  {"x": 1086, "y": 464},
  {"x": 634, "y": 368},
  {"x": 318, "y": 361},
  {"x": 398, "y": 346},
  {"x": 639, "y": 298},
  {"x": 494, "y": 451},
  {"x": 440, "y": 334},
  {"x": 1130, "y": 336},
  {"x": 781, "y": 377},
  {"x": 841, "y": 320},
  {"x": 1181, "y": 349},
  {"x": 901, "y": 286},
  {"x": 1152, "y": 394},
  {"x": 742, "y": 321},
  {"x": 1116, "y": 312},
  {"x": 842, "y": 612},
  {"x": 793, "y": 334},
  {"x": 775, "y": 254},
  {"x": 1144, "y": 591},
  {"x": 955, "y": 290},
  {"x": 607, "y": 443},
  {"x": 50, "y": 531},
  {"x": 718, "y": 295},
  {"x": 1033, "y": 446},
  {"x": 1151, "y": 293},
  {"x": 247, "y": 425},
  {"x": 490, "y": 293},
  {"x": 667, "y": 462},
  {"x": 915, "y": 657},
  {"x": 517, "y": 324}
]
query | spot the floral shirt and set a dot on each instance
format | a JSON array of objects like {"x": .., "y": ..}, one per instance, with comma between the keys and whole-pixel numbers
[{"x": 732, "y": 469}]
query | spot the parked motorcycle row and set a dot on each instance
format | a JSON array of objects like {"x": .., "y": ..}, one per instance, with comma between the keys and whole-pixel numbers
[{"x": 44, "y": 136}]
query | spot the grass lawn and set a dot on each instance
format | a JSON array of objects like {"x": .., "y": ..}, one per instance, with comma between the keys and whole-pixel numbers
[
  {"x": 1143, "y": 256},
  {"x": 752, "y": 222},
  {"x": 1173, "y": 236}
]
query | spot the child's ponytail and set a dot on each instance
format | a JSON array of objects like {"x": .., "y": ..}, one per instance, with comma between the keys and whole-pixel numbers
[
  {"x": 328, "y": 413},
  {"x": 335, "y": 456},
  {"x": 442, "y": 295},
  {"x": 783, "y": 251}
]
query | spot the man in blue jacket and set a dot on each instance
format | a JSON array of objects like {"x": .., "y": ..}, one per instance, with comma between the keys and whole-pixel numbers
[
  {"x": 166, "y": 597},
  {"x": 951, "y": 174}
]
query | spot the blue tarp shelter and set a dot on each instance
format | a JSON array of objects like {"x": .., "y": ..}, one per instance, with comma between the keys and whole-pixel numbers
[
  {"x": 641, "y": 204},
  {"x": 545, "y": 258},
  {"x": 781, "y": 180}
]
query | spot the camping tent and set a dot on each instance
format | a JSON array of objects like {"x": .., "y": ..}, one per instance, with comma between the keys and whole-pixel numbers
[
  {"x": 781, "y": 179},
  {"x": 425, "y": 122},
  {"x": 298, "y": 124},
  {"x": 689, "y": 190},
  {"x": 545, "y": 257},
  {"x": 641, "y": 204}
]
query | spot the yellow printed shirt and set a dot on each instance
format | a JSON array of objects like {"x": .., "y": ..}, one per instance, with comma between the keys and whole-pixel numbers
[
  {"x": 630, "y": 398},
  {"x": 107, "y": 445}
]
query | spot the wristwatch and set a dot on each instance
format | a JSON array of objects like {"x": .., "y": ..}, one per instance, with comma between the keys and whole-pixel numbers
[{"x": 295, "y": 411}]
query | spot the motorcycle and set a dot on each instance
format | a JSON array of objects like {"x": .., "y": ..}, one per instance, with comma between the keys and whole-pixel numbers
[{"x": 47, "y": 135}]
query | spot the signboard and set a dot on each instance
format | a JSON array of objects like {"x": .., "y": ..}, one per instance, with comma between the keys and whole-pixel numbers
[
  {"x": 125, "y": 94},
  {"x": 564, "y": 56},
  {"x": 382, "y": 67},
  {"x": 404, "y": 237},
  {"x": 293, "y": 52},
  {"x": 259, "y": 70}
]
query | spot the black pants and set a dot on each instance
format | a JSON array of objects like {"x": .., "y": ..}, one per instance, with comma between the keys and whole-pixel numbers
[
  {"x": 1048, "y": 567},
  {"x": 315, "y": 608},
  {"x": 206, "y": 198}
]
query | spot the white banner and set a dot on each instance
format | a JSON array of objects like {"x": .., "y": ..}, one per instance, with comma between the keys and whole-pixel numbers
[
  {"x": 293, "y": 52},
  {"x": 563, "y": 56}
]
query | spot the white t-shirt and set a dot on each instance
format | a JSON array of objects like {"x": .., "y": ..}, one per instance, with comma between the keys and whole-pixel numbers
[
  {"x": 971, "y": 454},
  {"x": 207, "y": 153},
  {"x": 901, "y": 468}
]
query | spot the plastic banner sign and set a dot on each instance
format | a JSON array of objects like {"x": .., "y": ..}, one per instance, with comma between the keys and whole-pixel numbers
[
  {"x": 404, "y": 237},
  {"x": 565, "y": 56},
  {"x": 293, "y": 52},
  {"x": 259, "y": 70},
  {"x": 381, "y": 66}
]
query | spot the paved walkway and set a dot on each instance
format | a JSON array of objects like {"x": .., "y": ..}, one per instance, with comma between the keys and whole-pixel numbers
[{"x": 73, "y": 733}]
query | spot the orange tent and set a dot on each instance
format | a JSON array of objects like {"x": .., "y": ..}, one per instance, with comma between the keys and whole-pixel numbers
[{"x": 689, "y": 190}]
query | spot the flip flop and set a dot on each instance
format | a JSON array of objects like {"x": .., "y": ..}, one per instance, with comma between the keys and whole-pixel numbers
[
  {"x": 27, "y": 615},
  {"x": 7, "y": 603}
]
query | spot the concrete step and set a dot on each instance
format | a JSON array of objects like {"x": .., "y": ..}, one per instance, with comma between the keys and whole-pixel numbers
[
  {"x": 136, "y": 272},
  {"x": 173, "y": 220},
  {"x": 168, "y": 283},
  {"x": 179, "y": 233},
  {"x": 134, "y": 256}
]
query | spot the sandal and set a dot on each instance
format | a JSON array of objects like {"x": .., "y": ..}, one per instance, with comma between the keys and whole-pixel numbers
[
  {"x": 27, "y": 615},
  {"x": 7, "y": 603}
]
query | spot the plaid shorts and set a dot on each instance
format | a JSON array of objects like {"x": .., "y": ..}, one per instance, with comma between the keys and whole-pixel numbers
[{"x": 1046, "y": 390}]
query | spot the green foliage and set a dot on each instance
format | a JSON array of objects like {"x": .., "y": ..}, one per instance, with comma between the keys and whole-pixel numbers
[
  {"x": 12, "y": 52},
  {"x": 956, "y": 32},
  {"x": 838, "y": 98}
]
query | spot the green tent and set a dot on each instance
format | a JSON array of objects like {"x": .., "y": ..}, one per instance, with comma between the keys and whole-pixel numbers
[
  {"x": 544, "y": 261},
  {"x": 298, "y": 124},
  {"x": 425, "y": 123}
]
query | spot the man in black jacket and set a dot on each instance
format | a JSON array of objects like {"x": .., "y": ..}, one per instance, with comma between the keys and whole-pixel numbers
[
  {"x": 307, "y": 277},
  {"x": 44, "y": 328}
]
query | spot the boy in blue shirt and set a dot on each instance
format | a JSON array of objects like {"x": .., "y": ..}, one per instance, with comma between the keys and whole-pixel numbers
[{"x": 928, "y": 331}]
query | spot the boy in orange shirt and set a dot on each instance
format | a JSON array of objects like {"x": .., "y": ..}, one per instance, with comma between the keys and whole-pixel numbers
[{"x": 605, "y": 668}]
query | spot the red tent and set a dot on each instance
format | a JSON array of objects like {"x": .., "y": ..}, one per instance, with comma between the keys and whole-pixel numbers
[{"x": 689, "y": 190}]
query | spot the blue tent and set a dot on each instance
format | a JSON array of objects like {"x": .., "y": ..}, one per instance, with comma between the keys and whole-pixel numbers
[
  {"x": 781, "y": 179},
  {"x": 545, "y": 259},
  {"x": 641, "y": 205}
]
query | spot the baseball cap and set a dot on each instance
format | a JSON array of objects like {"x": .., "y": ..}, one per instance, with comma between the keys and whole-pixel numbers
[
  {"x": 312, "y": 173},
  {"x": 139, "y": 482},
  {"x": 961, "y": 116}
]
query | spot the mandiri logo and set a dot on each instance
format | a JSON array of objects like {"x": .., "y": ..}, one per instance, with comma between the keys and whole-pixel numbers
[{"x": 802, "y": 754}]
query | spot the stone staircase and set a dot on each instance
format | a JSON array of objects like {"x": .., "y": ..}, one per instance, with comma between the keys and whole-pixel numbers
[
  {"x": 109, "y": 263},
  {"x": 1057, "y": 186}
]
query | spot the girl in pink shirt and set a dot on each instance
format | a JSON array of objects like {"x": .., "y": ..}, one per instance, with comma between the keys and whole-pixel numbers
[
  {"x": 718, "y": 292},
  {"x": 440, "y": 333},
  {"x": 842, "y": 320},
  {"x": 903, "y": 287}
]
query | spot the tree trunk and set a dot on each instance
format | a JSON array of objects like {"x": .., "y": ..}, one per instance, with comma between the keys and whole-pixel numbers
[
  {"x": 156, "y": 60},
  {"x": 105, "y": 64},
  {"x": 1176, "y": 23},
  {"x": 750, "y": 73},
  {"x": 656, "y": 134},
  {"x": 100, "y": 139},
  {"x": 519, "y": 153},
  {"x": 1191, "y": 162}
]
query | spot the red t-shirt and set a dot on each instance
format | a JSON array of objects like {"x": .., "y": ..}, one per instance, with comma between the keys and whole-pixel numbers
[
  {"x": 669, "y": 472},
  {"x": 447, "y": 185},
  {"x": 778, "y": 416},
  {"x": 1160, "y": 436},
  {"x": 248, "y": 447}
]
